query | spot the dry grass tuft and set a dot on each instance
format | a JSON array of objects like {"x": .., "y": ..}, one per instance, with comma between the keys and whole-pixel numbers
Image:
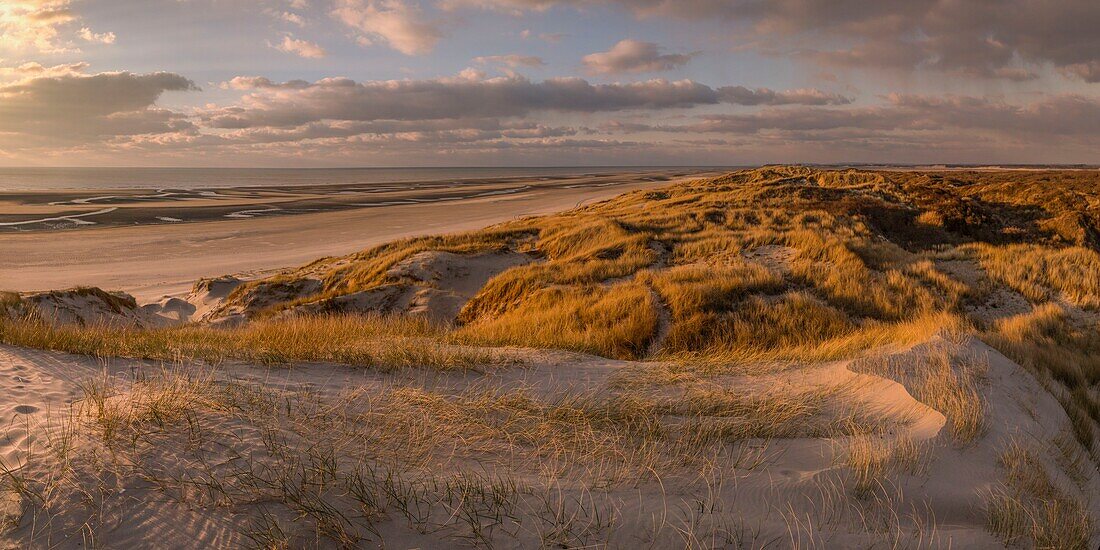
[
  {"x": 1031, "y": 507},
  {"x": 1052, "y": 346},
  {"x": 873, "y": 458},
  {"x": 947, "y": 380},
  {"x": 374, "y": 341},
  {"x": 616, "y": 321},
  {"x": 1042, "y": 273}
]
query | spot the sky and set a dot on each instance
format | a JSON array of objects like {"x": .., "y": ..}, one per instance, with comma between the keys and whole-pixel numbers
[{"x": 330, "y": 83}]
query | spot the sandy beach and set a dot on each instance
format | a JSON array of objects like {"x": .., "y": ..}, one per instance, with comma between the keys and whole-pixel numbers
[{"x": 157, "y": 243}]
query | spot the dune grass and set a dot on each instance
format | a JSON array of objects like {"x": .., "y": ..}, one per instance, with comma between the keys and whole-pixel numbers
[
  {"x": 720, "y": 279},
  {"x": 1047, "y": 342},
  {"x": 486, "y": 466},
  {"x": 1031, "y": 507},
  {"x": 948, "y": 379},
  {"x": 381, "y": 342},
  {"x": 873, "y": 458},
  {"x": 617, "y": 321},
  {"x": 1043, "y": 273}
]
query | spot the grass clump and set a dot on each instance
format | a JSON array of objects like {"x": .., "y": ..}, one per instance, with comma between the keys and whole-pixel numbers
[
  {"x": 1055, "y": 348},
  {"x": 375, "y": 341},
  {"x": 1042, "y": 274},
  {"x": 1031, "y": 507},
  {"x": 872, "y": 458},
  {"x": 946, "y": 379},
  {"x": 616, "y": 321}
]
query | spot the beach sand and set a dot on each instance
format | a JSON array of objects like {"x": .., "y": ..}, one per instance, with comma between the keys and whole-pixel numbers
[{"x": 136, "y": 247}]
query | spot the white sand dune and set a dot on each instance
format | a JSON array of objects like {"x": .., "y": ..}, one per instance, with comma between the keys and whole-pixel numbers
[{"x": 792, "y": 491}]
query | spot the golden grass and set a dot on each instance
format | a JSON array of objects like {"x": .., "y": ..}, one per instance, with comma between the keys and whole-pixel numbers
[
  {"x": 796, "y": 346},
  {"x": 873, "y": 458},
  {"x": 946, "y": 379},
  {"x": 616, "y": 321},
  {"x": 1032, "y": 507},
  {"x": 1048, "y": 343},
  {"x": 693, "y": 244},
  {"x": 1042, "y": 273},
  {"x": 374, "y": 341}
]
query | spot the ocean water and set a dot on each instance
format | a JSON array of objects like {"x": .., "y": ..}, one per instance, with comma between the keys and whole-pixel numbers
[{"x": 39, "y": 179}]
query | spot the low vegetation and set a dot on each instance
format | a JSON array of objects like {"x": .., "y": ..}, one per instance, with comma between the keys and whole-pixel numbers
[
  {"x": 1031, "y": 507},
  {"x": 727, "y": 326},
  {"x": 381, "y": 342}
]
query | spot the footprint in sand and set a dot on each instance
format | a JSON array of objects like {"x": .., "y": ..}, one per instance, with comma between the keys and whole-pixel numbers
[{"x": 26, "y": 409}]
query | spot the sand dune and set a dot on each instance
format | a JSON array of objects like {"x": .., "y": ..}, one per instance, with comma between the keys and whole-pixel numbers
[
  {"x": 791, "y": 490},
  {"x": 394, "y": 397}
]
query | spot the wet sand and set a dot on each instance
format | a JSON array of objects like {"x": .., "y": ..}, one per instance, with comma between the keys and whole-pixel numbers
[
  {"x": 157, "y": 243},
  {"x": 64, "y": 210}
]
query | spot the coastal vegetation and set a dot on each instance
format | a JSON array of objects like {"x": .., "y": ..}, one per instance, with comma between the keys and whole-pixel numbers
[{"x": 617, "y": 370}]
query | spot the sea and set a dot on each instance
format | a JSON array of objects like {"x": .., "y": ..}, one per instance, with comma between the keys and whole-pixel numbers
[{"x": 42, "y": 179}]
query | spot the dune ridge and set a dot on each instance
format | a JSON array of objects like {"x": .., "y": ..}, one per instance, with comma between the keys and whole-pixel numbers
[{"x": 779, "y": 357}]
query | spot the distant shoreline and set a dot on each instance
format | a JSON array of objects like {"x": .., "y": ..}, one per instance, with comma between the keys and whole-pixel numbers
[
  {"x": 129, "y": 249},
  {"x": 73, "y": 209},
  {"x": 34, "y": 180}
]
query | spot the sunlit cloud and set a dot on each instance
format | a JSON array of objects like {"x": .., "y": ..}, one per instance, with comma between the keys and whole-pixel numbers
[
  {"x": 395, "y": 23},
  {"x": 301, "y": 48},
  {"x": 634, "y": 56},
  {"x": 102, "y": 38},
  {"x": 616, "y": 81},
  {"x": 34, "y": 25}
]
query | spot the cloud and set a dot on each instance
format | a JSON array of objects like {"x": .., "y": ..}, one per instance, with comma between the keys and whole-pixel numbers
[
  {"x": 35, "y": 69},
  {"x": 633, "y": 56},
  {"x": 1061, "y": 116},
  {"x": 512, "y": 61},
  {"x": 259, "y": 83},
  {"x": 291, "y": 18},
  {"x": 470, "y": 95},
  {"x": 985, "y": 38},
  {"x": 301, "y": 48},
  {"x": 399, "y": 25},
  {"x": 508, "y": 64},
  {"x": 101, "y": 38},
  {"x": 741, "y": 95},
  {"x": 61, "y": 105},
  {"x": 1088, "y": 71},
  {"x": 490, "y": 120},
  {"x": 34, "y": 25},
  {"x": 553, "y": 37},
  {"x": 273, "y": 104},
  {"x": 550, "y": 37}
]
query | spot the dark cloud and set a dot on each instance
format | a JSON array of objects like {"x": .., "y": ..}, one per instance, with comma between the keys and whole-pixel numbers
[
  {"x": 292, "y": 104},
  {"x": 1066, "y": 116},
  {"x": 741, "y": 95},
  {"x": 68, "y": 106}
]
